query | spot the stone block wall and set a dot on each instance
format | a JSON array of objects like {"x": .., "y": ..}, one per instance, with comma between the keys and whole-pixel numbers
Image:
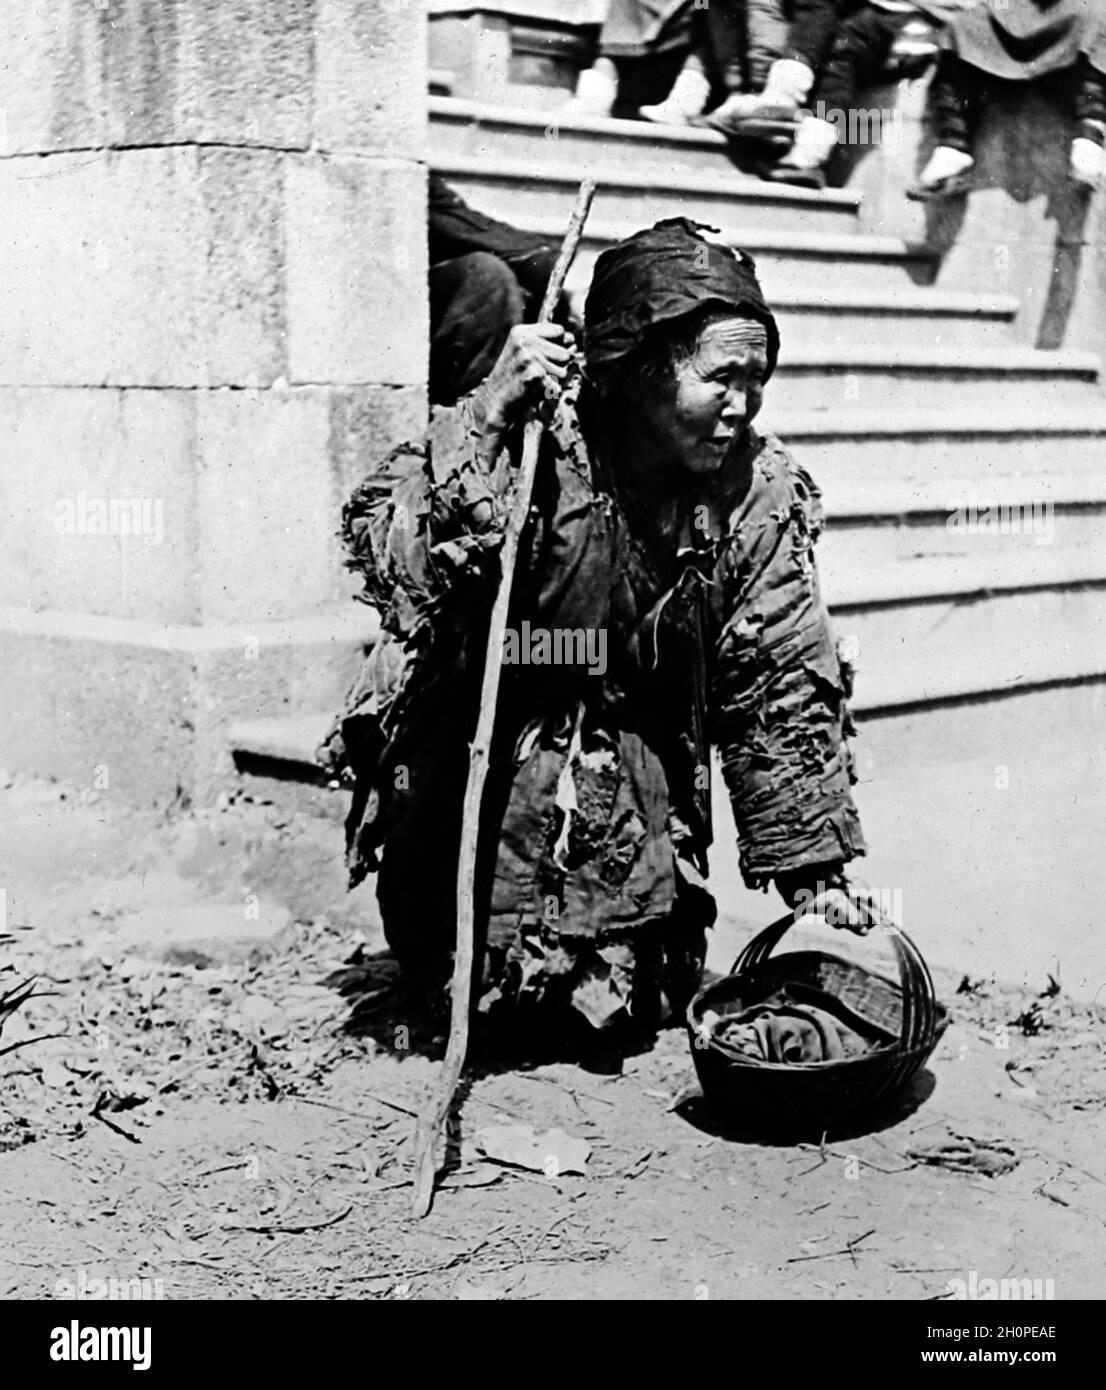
[{"x": 212, "y": 223}]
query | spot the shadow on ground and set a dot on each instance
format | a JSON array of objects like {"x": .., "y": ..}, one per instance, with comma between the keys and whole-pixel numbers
[
  {"x": 701, "y": 1115},
  {"x": 402, "y": 1021}
]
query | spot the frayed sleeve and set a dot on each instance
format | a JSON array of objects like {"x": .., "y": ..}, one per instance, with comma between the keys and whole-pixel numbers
[
  {"x": 409, "y": 540},
  {"x": 779, "y": 702}
]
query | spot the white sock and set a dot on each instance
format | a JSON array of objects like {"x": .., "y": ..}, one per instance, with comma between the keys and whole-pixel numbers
[
  {"x": 686, "y": 99},
  {"x": 944, "y": 163},
  {"x": 1088, "y": 162},
  {"x": 740, "y": 106},
  {"x": 596, "y": 89},
  {"x": 789, "y": 83},
  {"x": 814, "y": 142}
]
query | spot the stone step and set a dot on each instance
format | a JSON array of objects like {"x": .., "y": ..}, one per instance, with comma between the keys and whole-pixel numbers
[
  {"x": 848, "y": 496},
  {"x": 787, "y": 261},
  {"x": 888, "y": 462},
  {"x": 898, "y": 534},
  {"x": 281, "y": 748},
  {"x": 911, "y": 651},
  {"x": 163, "y": 694},
  {"x": 874, "y": 314},
  {"x": 926, "y": 318},
  {"x": 594, "y": 144},
  {"x": 514, "y": 189},
  {"x": 274, "y": 759},
  {"x": 946, "y": 555},
  {"x": 864, "y": 378},
  {"x": 281, "y": 740},
  {"x": 841, "y": 310},
  {"x": 915, "y": 652},
  {"x": 894, "y": 462}
]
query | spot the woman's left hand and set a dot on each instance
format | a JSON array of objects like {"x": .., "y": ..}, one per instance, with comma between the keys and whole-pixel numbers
[
  {"x": 853, "y": 907},
  {"x": 828, "y": 892}
]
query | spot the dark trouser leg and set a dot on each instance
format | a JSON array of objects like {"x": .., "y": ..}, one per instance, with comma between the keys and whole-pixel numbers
[
  {"x": 649, "y": 41},
  {"x": 475, "y": 301},
  {"x": 957, "y": 97},
  {"x": 726, "y": 42},
  {"x": 856, "y": 60},
  {"x": 1090, "y": 101},
  {"x": 767, "y": 33},
  {"x": 814, "y": 26}
]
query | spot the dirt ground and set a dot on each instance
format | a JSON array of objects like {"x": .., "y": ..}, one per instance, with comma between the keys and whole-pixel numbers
[{"x": 240, "y": 1128}]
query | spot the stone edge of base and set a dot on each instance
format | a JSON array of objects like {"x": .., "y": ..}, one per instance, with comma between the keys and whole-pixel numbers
[{"x": 343, "y": 627}]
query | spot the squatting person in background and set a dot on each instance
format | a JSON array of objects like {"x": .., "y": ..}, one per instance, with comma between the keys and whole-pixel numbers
[
  {"x": 664, "y": 520},
  {"x": 485, "y": 277}
]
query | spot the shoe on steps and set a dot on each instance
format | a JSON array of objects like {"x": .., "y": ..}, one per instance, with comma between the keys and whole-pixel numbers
[
  {"x": 785, "y": 90},
  {"x": 1088, "y": 163},
  {"x": 745, "y": 114},
  {"x": 789, "y": 173},
  {"x": 596, "y": 92},
  {"x": 684, "y": 102},
  {"x": 789, "y": 82},
  {"x": 947, "y": 175}
]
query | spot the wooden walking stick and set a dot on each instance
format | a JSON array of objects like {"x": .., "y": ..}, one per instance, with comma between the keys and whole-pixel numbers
[{"x": 434, "y": 1114}]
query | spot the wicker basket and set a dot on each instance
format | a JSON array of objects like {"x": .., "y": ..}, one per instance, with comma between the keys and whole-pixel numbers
[{"x": 807, "y": 1100}]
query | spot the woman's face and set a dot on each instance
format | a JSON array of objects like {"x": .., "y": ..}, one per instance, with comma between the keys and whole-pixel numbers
[{"x": 714, "y": 395}]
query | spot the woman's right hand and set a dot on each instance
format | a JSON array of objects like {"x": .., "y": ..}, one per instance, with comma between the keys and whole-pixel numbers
[{"x": 533, "y": 363}]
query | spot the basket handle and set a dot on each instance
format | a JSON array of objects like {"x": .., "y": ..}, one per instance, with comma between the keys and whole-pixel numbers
[{"x": 919, "y": 999}]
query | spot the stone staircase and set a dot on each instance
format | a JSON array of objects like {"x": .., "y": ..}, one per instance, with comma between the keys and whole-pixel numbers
[{"x": 905, "y": 400}]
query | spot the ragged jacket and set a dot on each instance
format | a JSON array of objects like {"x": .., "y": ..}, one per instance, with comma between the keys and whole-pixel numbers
[{"x": 599, "y": 790}]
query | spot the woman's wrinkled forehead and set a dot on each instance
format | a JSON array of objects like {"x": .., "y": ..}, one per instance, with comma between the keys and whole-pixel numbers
[{"x": 732, "y": 337}]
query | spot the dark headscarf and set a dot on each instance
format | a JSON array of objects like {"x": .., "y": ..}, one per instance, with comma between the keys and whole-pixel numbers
[{"x": 658, "y": 276}]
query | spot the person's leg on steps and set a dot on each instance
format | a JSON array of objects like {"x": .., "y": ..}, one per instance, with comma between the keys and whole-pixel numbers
[
  {"x": 957, "y": 97},
  {"x": 687, "y": 98},
  {"x": 635, "y": 33},
  {"x": 786, "y": 48},
  {"x": 1088, "y": 149},
  {"x": 856, "y": 60},
  {"x": 724, "y": 39},
  {"x": 767, "y": 34}
]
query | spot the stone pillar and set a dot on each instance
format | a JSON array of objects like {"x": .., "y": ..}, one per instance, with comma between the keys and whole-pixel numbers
[{"x": 212, "y": 318}]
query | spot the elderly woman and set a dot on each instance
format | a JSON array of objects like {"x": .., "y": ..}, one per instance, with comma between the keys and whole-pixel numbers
[{"x": 673, "y": 544}]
